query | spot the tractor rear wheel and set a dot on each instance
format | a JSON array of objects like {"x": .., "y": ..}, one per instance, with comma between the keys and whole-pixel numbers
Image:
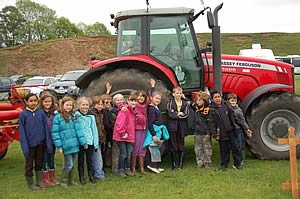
[
  {"x": 270, "y": 119},
  {"x": 3, "y": 153},
  {"x": 124, "y": 80}
]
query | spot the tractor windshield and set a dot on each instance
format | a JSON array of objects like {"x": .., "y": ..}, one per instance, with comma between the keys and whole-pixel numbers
[
  {"x": 168, "y": 39},
  {"x": 171, "y": 42}
]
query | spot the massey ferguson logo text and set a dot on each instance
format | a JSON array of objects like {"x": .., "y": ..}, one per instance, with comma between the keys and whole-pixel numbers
[{"x": 242, "y": 64}]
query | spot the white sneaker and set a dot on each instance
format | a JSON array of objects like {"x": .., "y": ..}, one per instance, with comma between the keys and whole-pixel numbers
[
  {"x": 160, "y": 169},
  {"x": 155, "y": 170}
]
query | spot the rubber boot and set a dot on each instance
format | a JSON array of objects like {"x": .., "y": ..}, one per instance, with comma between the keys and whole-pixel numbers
[
  {"x": 71, "y": 178},
  {"x": 91, "y": 176},
  {"x": 181, "y": 159},
  {"x": 173, "y": 160},
  {"x": 133, "y": 164},
  {"x": 64, "y": 179},
  {"x": 81, "y": 176},
  {"x": 45, "y": 178},
  {"x": 141, "y": 163},
  {"x": 30, "y": 184},
  {"x": 52, "y": 180},
  {"x": 38, "y": 178}
]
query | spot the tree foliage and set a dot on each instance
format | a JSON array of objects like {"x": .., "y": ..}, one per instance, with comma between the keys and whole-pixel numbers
[
  {"x": 96, "y": 29},
  {"x": 11, "y": 26},
  {"x": 29, "y": 21}
]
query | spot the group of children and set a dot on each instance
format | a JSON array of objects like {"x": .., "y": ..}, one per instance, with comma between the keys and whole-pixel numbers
[{"x": 109, "y": 131}]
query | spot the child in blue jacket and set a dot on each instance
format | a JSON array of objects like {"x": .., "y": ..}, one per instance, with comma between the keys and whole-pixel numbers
[
  {"x": 33, "y": 138},
  {"x": 66, "y": 139}
]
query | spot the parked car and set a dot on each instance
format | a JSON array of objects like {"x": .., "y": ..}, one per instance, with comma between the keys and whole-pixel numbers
[
  {"x": 18, "y": 79},
  {"x": 38, "y": 84},
  {"x": 5, "y": 85},
  {"x": 66, "y": 84}
]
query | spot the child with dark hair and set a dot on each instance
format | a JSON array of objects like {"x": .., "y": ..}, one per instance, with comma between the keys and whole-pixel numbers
[
  {"x": 99, "y": 156},
  {"x": 241, "y": 125},
  {"x": 34, "y": 136},
  {"x": 48, "y": 104},
  {"x": 177, "y": 124},
  {"x": 140, "y": 128},
  {"x": 124, "y": 131},
  {"x": 226, "y": 135}
]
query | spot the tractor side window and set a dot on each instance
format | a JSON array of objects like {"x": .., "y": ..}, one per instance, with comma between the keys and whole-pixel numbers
[
  {"x": 129, "y": 33},
  {"x": 171, "y": 43}
]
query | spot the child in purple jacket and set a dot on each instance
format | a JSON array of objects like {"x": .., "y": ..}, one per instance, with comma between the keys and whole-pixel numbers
[
  {"x": 48, "y": 104},
  {"x": 140, "y": 129}
]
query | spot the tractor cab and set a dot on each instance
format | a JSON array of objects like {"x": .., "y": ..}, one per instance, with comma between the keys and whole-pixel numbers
[{"x": 165, "y": 35}]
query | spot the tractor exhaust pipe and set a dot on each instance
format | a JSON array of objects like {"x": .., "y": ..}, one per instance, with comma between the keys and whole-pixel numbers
[{"x": 216, "y": 43}]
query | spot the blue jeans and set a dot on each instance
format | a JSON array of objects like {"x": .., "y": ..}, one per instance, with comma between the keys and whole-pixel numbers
[
  {"x": 241, "y": 142},
  {"x": 98, "y": 164},
  {"x": 69, "y": 161},
  {"x": 125, "y": 154}
]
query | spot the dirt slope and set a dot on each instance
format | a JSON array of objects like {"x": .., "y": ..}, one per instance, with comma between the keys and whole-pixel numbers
[{"x": 55, "y": 57}]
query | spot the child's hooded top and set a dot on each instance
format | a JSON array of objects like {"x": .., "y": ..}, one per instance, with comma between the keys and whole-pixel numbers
[
  {"x": 34, "y": 130},
  {"x": 64, "y": 135},
  {"x": 86, "y": 124},
  {"x": 125, "y": 123}
]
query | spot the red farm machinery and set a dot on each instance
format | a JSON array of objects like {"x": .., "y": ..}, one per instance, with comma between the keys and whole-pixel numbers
[
  {"x": 9, "y": 114},
  {"x": 162, "y": 44}
]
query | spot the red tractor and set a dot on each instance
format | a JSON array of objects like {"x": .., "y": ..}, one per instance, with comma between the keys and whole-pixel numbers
[{"x": 162, "y": 44}]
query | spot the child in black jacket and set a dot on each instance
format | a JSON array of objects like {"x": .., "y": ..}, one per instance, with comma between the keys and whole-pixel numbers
[
  {"x": 226, "y": 135},
  {"x": 204, "y": 127}
]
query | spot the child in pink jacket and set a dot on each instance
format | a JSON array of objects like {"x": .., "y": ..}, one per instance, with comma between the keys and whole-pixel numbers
[{"x": 124, "y": 132}]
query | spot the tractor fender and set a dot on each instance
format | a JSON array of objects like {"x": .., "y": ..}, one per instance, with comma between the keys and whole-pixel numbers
[
  {"x": 147, "y": 65},
  {"x": 258, "y": 92}
]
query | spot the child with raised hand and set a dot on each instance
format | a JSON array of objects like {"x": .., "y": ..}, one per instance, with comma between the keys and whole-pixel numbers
[
  {"x": 124, "y": 131},
  {"x": 98, "y": 158},
  {"x": 241, "y": 125},
  {"x": 204, "y": 127},
  {"x": 34, "y": 136},
  {"x": 140, "y": 129},
  {"x": 66, "y": 139},
  {"x": 48, "y": 104},
  {"x": 156, "y": 132},
  {"x": 85, "y": 123},
  {"x": 118, "y": 101},
  {"x": 177, "y": 124}
]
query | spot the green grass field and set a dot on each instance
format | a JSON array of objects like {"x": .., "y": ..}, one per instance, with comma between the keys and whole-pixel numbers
[{"x": 258, "y": 179}]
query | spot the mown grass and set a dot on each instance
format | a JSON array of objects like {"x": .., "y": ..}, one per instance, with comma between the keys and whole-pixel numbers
[{"x": 258, "y": 179}]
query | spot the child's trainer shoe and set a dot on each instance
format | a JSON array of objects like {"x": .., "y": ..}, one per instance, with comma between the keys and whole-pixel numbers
[{"x": 155, "y": 170}]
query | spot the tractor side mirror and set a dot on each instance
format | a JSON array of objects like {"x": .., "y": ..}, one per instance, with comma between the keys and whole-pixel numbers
[{"x": 210, "y": 20}]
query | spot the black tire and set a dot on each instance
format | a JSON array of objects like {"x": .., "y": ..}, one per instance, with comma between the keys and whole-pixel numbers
[
  {"x": 270, "y": 119},
  {"x": 3, "y": 154},
  {"x": 124, "y": 81}
]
